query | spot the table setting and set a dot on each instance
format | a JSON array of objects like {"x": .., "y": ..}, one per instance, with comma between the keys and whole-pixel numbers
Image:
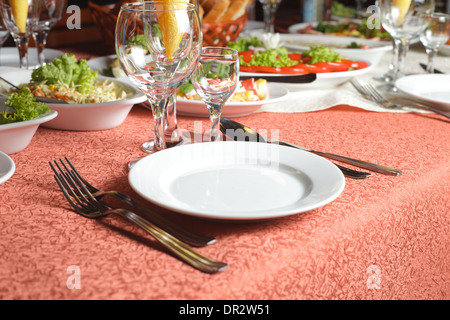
[{"x": 177, "y": 168}]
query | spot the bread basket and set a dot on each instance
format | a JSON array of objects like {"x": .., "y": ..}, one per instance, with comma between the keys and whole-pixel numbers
[{"x": 214, "y": 33}]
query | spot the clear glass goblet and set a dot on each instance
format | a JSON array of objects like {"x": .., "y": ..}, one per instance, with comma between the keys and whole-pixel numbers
[
  {"x": 215, "y": 80},
  {"x": 158, "y": 45},
  {"x": 404, "y": 20},
  {"x": 4, "y": 35},
  {"x": 270, "y": 7},
  {"x": 51, "y": 12},
  {"x": 20, "y": 17},
  {"x": 435, "y": 36}
]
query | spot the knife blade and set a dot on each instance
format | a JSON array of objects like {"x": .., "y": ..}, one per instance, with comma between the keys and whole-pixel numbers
[
  {"x": 302, "y": 78},
  {"x": 424, "y": 67},
  {"x": 227, "y": 124}
]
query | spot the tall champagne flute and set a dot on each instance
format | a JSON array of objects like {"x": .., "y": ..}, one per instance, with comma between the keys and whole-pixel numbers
[
  {"x": 158, "y": 45},
  {"x": 215, "y": 80},
  {"x": 435, "y": 35},
  {"x": 50, "y": 13},
  {"x": 270, "y": 7},
  {"x": 19, "y": 17},
  {"x": 404, "y": 20}
]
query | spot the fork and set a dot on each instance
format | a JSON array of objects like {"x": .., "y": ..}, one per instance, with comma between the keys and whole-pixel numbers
[
  {"x": 369, "y": 92},
  {"x": 187, "y": 236},
  {"x": 88, "y": 206}
]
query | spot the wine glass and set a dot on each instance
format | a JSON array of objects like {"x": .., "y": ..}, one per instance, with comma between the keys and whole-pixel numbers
[
  {"x": 215, "y": 80},
  {"x": 50, "y": 13},
  {"x": 158, "y": 45},
  {"x": 4, "y": 34},
  {"x": 19, "y": 17},
  {"x": 435, "y": 35},
  {"x": 404, "y": 20},
  {"x": 270, "y": 7}
]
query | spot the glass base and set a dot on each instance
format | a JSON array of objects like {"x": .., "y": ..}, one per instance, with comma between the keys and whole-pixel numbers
[
  {"x": 388, "y": 88},
  {"x": 383, "y": 78}
]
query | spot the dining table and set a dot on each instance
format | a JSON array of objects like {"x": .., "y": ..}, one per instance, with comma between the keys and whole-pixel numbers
[{"x": 383, "y": 238}]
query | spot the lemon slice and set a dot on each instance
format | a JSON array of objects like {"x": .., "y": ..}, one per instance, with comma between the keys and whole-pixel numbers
[
  {"x": 20, "y": 12},
  {"x": 403, "y": 7},
  {"x": 170, "y": 29}
]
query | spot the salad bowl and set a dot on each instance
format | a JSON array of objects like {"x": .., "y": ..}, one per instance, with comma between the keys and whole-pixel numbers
[
  {"x": 87, "y": 116},
  {"x": 16, "y": 136}
]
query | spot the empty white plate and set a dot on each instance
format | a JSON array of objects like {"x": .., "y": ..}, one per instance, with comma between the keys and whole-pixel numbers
[
  {"x": 434, "y": 88},
  {"x": 236, "y": 180}
]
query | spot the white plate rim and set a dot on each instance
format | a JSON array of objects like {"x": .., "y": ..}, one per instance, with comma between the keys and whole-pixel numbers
[
  {"x": 403, "y": 84},
  {"x": 9, "y": 163},
  {"x": 336, "y": 183},
  {"x": 12, "y": 53},
  {"x": 28, "y": 123},
  {"x": 271, "y": 86}
]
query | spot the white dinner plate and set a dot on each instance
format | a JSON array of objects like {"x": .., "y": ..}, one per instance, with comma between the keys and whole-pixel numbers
[
  {"x": 7, "y": 167},
  {"x": 236, "y": 180},
  {"x": 9, "y": 56},
  {"x": 198, "y": 108},
  {"x": 429, "y": 88}
]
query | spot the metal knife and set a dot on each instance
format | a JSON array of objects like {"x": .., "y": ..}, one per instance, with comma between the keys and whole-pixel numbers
[
  {"x": 424, "y": 67},
  {"x": 302, "y": 78},
  {"x": 230, "y": 124}
]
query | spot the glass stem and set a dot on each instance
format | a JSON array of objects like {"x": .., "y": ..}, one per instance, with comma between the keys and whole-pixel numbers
[
  {"x": 40, "y": 37},
  {"x": 170, "y": 122},
  {"x": 269, "y": 16},
  {"x": 22, "y": 46},
  {"x": 215, "y": 132},
  {"x": 431, "y": 54},
  {"x": 403, "y": 46},
  {"x": 158, "y": 110}
]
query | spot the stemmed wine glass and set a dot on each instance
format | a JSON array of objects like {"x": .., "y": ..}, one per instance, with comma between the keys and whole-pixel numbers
[
  {"x": 4, "y": 34},
  {"x": 20, "y": 17},
  {"x": 270, "y": 7},
  {"x": 404, "y": 20},
  {"x": 50, "y": 13},
  {"x": 215, "y": 80},
  {"x": 435, "y": 35},
  {"x": 171, "y": 34}
]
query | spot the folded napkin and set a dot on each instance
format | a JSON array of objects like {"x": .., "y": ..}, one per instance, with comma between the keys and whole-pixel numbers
[{"x": 309, "y": 99}]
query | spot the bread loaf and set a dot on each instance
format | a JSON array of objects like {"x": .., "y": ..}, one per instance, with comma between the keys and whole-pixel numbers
[{"x": 223, "y": 10}]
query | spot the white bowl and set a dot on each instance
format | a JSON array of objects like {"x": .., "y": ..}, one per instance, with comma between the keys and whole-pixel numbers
[
  {"x": 89, "y": 116},
  {"x": 16, "y": 136}
]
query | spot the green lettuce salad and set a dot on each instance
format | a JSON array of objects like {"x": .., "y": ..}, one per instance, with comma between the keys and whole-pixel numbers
[
  {"x": 23, "y": 107},
  {"x": 68, "y": 70}
]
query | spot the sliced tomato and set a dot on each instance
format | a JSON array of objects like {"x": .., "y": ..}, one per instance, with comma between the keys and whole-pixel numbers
[
  {"x": 355, "y": 64},
  {"x": 250, "y": 85},
  {"x": 246, "y": 55}
]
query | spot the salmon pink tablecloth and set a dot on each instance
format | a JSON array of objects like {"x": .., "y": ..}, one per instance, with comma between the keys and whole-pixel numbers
[{"x": 384, "y": 238}]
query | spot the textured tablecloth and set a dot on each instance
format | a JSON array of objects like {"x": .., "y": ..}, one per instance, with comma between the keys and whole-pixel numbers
[{"x": 383, "y": 238}]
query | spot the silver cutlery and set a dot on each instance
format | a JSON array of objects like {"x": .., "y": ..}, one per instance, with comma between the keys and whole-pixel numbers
[
  {"x": 226, "y": 124},
  {"x": 371, "y": 93},
  {"x": 185, "y": 235},
  {"x": 424, "y": 67},
  {"x": 38, "y": 99},
  {"x": 89, "y": 207}
]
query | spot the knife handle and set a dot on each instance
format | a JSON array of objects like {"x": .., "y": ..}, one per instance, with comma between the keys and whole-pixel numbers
[{"x": 357, "y": 163}]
